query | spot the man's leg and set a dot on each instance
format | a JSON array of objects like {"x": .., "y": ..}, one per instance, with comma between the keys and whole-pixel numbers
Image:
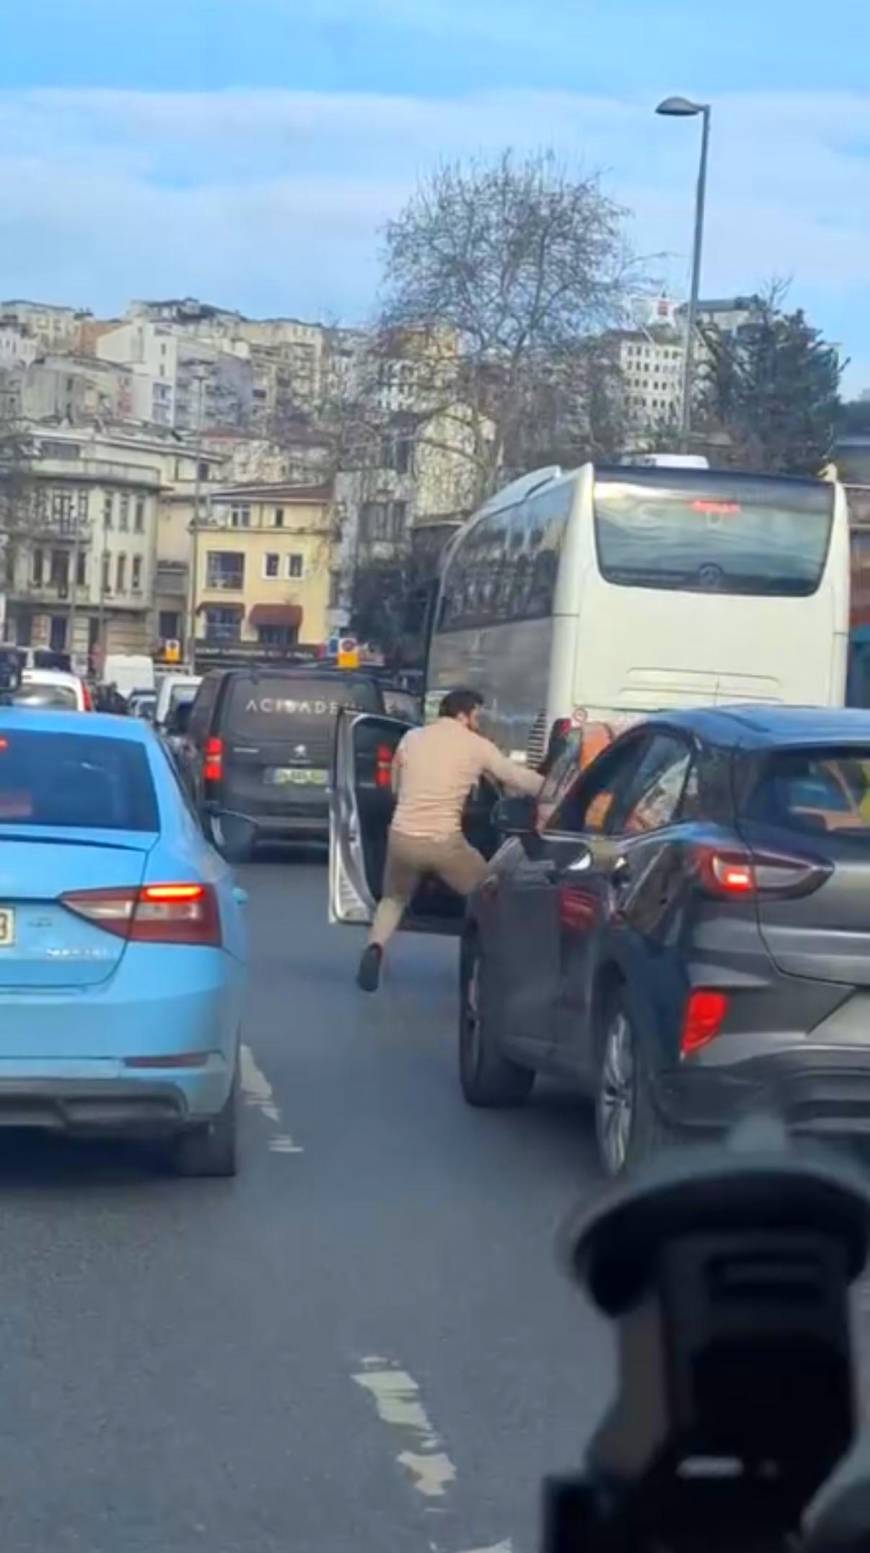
[
  {"x": 458, "y": 864},
  {"x": 401, "y": 877}
]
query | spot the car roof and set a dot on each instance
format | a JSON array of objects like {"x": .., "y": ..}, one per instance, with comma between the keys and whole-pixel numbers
[
  {"x": 764, "y": 726},
  {"x": 95, "y": 725},
  {"x": 50, "y": 677}
]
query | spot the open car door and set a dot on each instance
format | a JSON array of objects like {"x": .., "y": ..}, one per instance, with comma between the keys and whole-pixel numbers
[{"x": 361, "y": 807}]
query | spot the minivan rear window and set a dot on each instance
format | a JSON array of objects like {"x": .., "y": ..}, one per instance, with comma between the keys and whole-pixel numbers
[
  {"x": 64, "y": 779},
  {"x": 268, "y": 706},
  {"x": 814, "y": 791}
]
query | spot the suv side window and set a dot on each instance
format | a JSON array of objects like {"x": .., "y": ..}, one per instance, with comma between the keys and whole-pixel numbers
[
  {"x": 200, "y": 716},
  {"x": 652, "y": 797},
  {"x": 586, "y": 807}
]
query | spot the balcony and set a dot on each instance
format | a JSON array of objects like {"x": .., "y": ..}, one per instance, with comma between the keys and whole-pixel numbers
[{"x": 234, "y": 583}]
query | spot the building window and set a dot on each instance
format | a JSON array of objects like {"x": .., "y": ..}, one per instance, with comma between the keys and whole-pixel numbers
[
  {"x": 334, "y": 589},
  {"x": 222, "y": 626},
  {"x": 397, "y": 452},
  {"x": 62, "y": 511},
  {"x": 124, "y": 511},
  {"x": 271, "y": 564},
  {"x": 81, "y": 569},
  {"x": 279, "y": 517},
  {"x": 240, "y": 517},
  {"x": 83, "y": 506},
  {"x": 295, "y": 565},
  {"x": 120, "y": 574},
  {"x": 169, "y": 625},
  {"x": 383, "y": 520},
  {"x": 276, "y": 636},
  {"x": 139, "y": 515},
  {"x": 106, "y": 579},
  {"x": 37, "y": 567},
  {"x": 202, "y": 470},
  {"x": 225, "y": 570},
  {"x": 137, "y": 574}
]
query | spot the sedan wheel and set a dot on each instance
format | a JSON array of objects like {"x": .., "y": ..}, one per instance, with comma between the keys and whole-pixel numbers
[{"x": 615, "y": 1110}]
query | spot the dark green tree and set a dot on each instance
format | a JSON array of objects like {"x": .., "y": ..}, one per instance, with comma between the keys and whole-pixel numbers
[{"x": 770, "y": 392}]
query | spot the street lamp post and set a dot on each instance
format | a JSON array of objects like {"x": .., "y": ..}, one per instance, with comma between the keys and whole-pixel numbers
[{"x": 683, "y": 108}]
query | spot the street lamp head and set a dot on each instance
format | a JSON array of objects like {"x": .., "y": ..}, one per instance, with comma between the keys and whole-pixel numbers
[{"x": 680, "y": 108}]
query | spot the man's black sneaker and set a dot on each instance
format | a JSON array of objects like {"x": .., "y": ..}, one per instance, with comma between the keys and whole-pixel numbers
[{"x": 369, "y": 973}]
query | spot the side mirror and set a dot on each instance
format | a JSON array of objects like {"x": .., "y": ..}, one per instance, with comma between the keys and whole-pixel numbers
[
  {"x": 514, "y": 816},
  {"x": 233, "y": 834}
]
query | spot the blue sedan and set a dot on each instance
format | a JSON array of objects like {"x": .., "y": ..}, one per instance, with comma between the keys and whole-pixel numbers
[{"x": 122, "y": 943}]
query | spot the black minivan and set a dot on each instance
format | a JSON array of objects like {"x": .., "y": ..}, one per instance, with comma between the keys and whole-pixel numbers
[{"x": 259, "y": 744}]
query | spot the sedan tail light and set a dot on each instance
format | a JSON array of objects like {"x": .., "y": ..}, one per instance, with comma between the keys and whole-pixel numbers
[
  {"x": 152, "y": 914},
  {"x": 735, "y": 873}
]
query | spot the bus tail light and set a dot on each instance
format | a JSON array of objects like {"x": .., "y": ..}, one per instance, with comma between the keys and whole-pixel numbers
[
  {"x": 735, "y": 873},
  {"x": 213, "y": 760},
  {"x": 383, "y": 766}
]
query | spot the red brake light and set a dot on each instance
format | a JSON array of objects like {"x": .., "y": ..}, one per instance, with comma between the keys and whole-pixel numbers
[
  {"x": 733, "y": 873},
  {"x": 87, "y": 699},
  {"x": 383, "y": 765},
  {"x": 213, "y": 760},
  {"x": 154, "y": 914},
  {"x": 561, "y": 728},
  {"x": 702, "y": 1019}
]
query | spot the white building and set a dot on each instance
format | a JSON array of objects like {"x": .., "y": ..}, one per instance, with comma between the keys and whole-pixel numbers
[
  {"x": 651, "y": 362},
  {"x": 54, "y": 328}
]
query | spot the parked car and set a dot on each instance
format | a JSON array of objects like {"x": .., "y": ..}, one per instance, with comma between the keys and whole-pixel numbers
[
  {"x": 683, "y": 927},
  {"x": 259, "y": 744},
  {"x": 122, "y": 943},
  {"x": 142, "y": 703},
  {"x": 53, "y": 688}
]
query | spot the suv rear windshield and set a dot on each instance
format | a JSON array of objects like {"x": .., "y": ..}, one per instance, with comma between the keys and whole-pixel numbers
[
  {"x": 713, "y": 535},
  {"x": 817, "y": 791},
  {"x": 273, "y": 706},
  {"x": 65, "y": 779}
]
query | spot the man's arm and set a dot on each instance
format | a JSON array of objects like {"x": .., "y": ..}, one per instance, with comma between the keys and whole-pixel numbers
[
  {"x": 397, "y": 766},
  {"x": 517, "y": 778}
]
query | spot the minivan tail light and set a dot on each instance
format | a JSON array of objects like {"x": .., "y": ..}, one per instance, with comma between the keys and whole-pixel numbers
[
  {"x": 213, "y": 760},
  {"x": 383, "y": 765},
  {"x": 184, "y": 913},
  {"x": 705, "y": 1010},
  {"x": 735, "y": 873}
]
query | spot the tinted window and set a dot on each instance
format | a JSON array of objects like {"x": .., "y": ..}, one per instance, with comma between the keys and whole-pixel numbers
[
  {"x": 203, "y": 705},
  {"x": 651, "y": 797},
  {"x": 66, "y": 779},
  {"x": 271, "y": 706},
  {"x": 507, "y": 566},
  {"x": 722, "y": 534},
  {"x": 812, "y": 791},
  {"x": 587, "y": 806}
]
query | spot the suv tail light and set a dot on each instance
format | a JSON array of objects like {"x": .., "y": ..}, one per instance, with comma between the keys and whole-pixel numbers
[
  {"x": 734, "y": 873},
  {"x": 383, "y": 765},
  {"x": 153, "y": 914},
  {"x": 705, "y": 1010},
  {"x": 87, "y": 698},
  {"x": 213, "y": 760}
]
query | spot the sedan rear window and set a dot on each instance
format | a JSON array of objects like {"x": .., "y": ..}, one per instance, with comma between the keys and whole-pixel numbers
[
  {"x": 814, "y": 791},
  {"x": 64, "y": 779},
  {"x": 61, "y": 698}
]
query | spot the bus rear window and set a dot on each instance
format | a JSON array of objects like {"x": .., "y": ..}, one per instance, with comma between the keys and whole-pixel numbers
[{"x": 747, "y": 536}]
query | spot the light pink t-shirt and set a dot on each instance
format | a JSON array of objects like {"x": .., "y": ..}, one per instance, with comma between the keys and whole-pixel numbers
[{"x": 435, "y": 768}]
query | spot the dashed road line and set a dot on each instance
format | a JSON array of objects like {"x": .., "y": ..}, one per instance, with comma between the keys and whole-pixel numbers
[
  {"x": 258, "y": 1092},
  {"x": 398, "y": 1402}
]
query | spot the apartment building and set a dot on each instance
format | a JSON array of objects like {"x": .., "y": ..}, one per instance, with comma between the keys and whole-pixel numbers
[
  {"x": 651, "y": 362},
  {"x": 263, "y": 569},
  {"x": 53, "y": 328}
]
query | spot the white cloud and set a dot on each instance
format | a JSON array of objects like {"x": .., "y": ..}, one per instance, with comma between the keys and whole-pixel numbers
[{"x": 272, "y": 200}]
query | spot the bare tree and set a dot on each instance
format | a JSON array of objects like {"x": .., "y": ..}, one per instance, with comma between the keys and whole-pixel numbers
[{"x": 514, "y": 267}]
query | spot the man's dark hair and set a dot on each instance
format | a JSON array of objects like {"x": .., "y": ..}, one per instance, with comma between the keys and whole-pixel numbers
[{"x": 457, "y": 702}]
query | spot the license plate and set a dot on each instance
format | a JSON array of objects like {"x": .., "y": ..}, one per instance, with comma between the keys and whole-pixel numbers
[
  {"x": 295, "y": 776},
  {"x": 7, "y": 927}
]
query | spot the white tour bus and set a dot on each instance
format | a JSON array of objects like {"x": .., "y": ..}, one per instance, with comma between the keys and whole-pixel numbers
[{"x": 609, "y": 591}]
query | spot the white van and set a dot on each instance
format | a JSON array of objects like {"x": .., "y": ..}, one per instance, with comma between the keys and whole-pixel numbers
[{"x": 129, "y": 672}]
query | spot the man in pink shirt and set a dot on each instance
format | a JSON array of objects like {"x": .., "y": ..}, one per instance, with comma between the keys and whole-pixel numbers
[{"x": 434, "y": 769}]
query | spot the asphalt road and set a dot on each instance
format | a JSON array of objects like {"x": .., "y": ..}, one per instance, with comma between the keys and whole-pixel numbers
[{"x": 362, "y": 1345}]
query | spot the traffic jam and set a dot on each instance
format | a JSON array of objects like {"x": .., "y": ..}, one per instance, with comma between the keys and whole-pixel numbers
[{"x": 677, "y": 924}]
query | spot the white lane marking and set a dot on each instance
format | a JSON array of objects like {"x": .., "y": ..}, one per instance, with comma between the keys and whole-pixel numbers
[
  {"x": 397, "y": 1399},
  {"x": 258, "y": 1092},
  {"x": 494, "y": 1547}
]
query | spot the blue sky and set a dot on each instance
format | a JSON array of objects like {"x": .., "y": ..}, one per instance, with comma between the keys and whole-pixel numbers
[{"x": 248, "y": 151}]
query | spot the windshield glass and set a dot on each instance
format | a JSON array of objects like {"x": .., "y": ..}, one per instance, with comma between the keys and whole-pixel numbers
[
  {"x": 814, "y": 791},
  {"x": 58, "y": 696},
  {"x": 717, "y": 537},
  {"x": 63, "y": 779}
]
